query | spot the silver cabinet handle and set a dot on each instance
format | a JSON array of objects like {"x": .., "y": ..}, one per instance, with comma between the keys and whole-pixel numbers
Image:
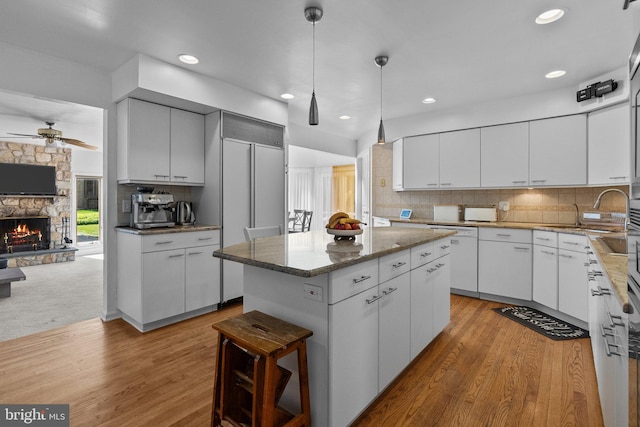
[
  {"x": 615, "y": 320},
  {"x": 572, "y": 243},
  {"x": 176, "y": 256},
  {"x": 455, "y": 241},
  {"x": 548, "y": 252},
  {"x": 443, "y": 247},
  {"x": 180, "y": 176},
  {"x": 361, "y": 279},
  {"x": 606, "y": 332},
  {"x": 543, "y": 238},
  {"x": 196, "y": 253},
  {"x": 431, "y": 270},
  {"x": 565, "y": 256},
  {"x": 388, "y": 291},
  {"x": 519, "y": 182},
  {"x": 599, "y": 291},
  {"x": 165, "y": 242},
  {"x": 374, "y": 299},
  {"x": 503, "y": 235},
  {"x": 425, "y": 254},
  {"x": 432, "y": 185},
  {"x": 617, "y": 177},
  {"x": 538, "y": 180},
  {"x": 205, "y": 238},
  {"x": 607, "y": 348},
  {"x": 439, "y": 265},
  {"x": 161, "y": 176},
  {"x": 520, "y": 248},
  {"x": 445, "y": 183},
  {"x": 399, "y": 264}
]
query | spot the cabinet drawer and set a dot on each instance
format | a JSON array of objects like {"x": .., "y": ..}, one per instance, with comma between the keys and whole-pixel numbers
[
  {"x": 420, "y": 255},
  {"x": 441, "y": 248},
  {"x": 504, "y": 235},
  {"x": 168, "y": 241},
  {"x": 573, "y": 242},
  {"x": 352, "y": 280},
  {"x": 545, "y": 238},
  {"x": 394, "y": 265}
]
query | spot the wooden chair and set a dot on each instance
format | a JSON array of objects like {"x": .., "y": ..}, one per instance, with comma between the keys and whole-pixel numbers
[
  {"x": 248, "y": 380},
  {"x": 256, "y": 232},
  {"x": 298, "y": 221}
]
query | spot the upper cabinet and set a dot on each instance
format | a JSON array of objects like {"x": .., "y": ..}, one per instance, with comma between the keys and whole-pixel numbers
[
  {"x": 505, "y": 155},
  {"x": 558, "y": 151},
  {"x": 416, "y": 164},
  {"x": 609, "y": 142},
  {"x": 159, "y": 144},
  {"x": 460, "y": 159}
]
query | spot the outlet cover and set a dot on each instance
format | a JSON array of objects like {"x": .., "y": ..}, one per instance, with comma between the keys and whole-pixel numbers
[
  {"x": 313, "y": 292},
  {"x": 126, "y": 206},
  {"x": 504, "y": 206}
]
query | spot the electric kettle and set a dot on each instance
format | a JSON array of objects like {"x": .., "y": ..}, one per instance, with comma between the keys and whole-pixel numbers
[{"x": 184, "y": 213}]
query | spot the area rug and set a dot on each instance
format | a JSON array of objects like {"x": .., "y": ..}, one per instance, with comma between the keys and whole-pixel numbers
[{"x": 542, "y": 323}]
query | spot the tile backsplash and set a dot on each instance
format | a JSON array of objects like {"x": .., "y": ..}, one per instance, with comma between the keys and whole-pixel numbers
[{"x": 537, "y": 205}]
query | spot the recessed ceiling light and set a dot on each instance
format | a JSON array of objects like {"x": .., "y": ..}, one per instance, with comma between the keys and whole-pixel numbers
[
  {"x": 549, "y": 16},
  {"x": 555, "y": 74},
  {"x": 344, "y": 117},
  {"x": 429, "y": 100},
  {"x": 188, "y": 59},
  {"x": 287, "y": 96}
]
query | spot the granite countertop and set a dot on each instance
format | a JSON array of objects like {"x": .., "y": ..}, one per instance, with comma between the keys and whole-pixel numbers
[
  {"x": 316, "y": 252},
  {"x": 616, "y": 267},
  {"x": 166, "y": 230}
]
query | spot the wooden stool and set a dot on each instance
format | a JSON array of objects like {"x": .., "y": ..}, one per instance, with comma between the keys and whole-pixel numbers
[{"x": 248, "y": 380}]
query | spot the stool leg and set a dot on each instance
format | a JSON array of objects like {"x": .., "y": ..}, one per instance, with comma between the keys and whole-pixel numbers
[
  {"x": 269, "y": 394},
  {"x": 215, "y": 420},
  {"x": 303, "y": 377},
  {"x": 258, "y": 389}
]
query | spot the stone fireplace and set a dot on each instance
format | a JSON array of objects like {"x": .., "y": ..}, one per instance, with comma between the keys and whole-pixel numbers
[{"x": 56, "y": 210}]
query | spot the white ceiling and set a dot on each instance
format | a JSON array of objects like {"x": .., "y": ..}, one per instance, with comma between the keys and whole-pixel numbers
[{"x": 459, "y": 52}]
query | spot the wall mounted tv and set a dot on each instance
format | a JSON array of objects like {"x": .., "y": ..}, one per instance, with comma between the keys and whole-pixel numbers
[{"x": 27, "y": 180}]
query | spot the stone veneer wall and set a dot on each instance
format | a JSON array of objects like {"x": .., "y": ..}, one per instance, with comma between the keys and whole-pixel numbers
[
  {"x": 54, "y": 207},
  {"x": 536, "y": 205}
]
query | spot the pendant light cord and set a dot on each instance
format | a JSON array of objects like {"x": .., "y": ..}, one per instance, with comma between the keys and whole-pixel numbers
[
  {"x": 314, "y": 58},
  {"x": 380, "y": 93}
]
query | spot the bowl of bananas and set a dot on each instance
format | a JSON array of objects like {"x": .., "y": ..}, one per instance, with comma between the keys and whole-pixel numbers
[{"x": 341, "y": 226}]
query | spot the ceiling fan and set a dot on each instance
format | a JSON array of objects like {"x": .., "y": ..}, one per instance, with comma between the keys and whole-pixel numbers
[{"x": 51, "y": 135}]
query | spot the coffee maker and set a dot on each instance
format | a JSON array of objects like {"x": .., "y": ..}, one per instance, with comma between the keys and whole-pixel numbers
[{"x": 151, "y": 210}]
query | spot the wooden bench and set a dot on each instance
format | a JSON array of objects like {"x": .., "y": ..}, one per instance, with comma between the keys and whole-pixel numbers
[{"x": 7, "y": 276}]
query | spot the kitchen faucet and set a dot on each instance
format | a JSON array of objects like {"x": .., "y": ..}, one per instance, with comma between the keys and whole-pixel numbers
[{"x": 596, "y": 205}]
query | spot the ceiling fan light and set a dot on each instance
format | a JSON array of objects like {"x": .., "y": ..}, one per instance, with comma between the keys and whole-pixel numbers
[{"x": 313, "y": 111}]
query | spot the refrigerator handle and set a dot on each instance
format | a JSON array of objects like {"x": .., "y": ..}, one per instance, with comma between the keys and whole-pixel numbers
[{"x": 252, "y": 196}]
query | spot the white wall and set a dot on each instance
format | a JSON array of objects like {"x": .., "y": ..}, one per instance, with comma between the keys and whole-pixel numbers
[{"x": 311, "y": 137}]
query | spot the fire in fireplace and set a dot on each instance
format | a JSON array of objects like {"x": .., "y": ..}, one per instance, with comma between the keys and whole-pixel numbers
[{"x": 20, "y": 234}]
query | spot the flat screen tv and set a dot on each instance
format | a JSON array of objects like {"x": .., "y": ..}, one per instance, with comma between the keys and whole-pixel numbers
[{"x": 27, "y": 180}]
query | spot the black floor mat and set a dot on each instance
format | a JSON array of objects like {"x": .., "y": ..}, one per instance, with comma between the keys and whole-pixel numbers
[{"x": 548, "y": 326}]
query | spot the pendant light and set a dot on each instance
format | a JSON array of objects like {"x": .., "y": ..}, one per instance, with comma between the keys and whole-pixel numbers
[
  {"x": 313, "y": 14},
  {"x": 381, "y": 61}
]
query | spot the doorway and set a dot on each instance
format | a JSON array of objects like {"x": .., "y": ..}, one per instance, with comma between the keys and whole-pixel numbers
[{"x": 88, "y": 222}]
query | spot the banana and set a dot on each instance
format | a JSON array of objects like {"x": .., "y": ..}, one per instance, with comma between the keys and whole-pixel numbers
[{"x": 338, "y": 215}]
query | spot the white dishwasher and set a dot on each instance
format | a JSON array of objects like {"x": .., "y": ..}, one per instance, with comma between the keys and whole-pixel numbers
[{"x": 464, "y": 257}]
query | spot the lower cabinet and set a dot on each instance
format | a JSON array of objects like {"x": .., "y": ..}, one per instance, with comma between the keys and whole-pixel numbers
[
  {"x": 572, "y": 276},
  {"x": 505, "y": 262},
  {"x": 161, "y": 276}
]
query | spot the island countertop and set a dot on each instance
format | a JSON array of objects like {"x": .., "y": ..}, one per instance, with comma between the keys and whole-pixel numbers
[{"x": 316, "y": 252}]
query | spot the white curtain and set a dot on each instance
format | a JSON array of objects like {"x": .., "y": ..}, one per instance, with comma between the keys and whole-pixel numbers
[{"x": 310, "y": 189}]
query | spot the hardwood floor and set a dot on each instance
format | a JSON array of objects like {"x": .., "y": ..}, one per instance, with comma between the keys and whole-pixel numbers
[{"x": 483, "y": 370}]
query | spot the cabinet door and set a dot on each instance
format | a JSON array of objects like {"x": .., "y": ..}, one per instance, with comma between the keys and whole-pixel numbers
[
  {"x": 421, "y": 162},
  {"x": 162, "y": 284},
  {"x": 398, "y": 167},
  {"x": 609, "y": 134},
  {"x": 573, "y": 285},
  {"x": 421, "y": 308},
  {"x": 202, "y": 283},
  {"x": 558, "y": 151},
  {"x": 505, "y": 269},
  {"x": 545, "y": 276},
  {"x": 187, "y": 147},
  {"x": 441, "y": 294},
  {"x": 268, "y": 187},
  {"x": 460, "y": 159},
  {"x": 143, "y": 141},
  {"x": 505, "y": 155},
  {"x": 353, "y": 354},
  {"x": 394, "y": 328}
]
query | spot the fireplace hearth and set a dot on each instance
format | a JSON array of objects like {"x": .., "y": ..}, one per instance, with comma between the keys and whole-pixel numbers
[{"x": 24, "y": 234}]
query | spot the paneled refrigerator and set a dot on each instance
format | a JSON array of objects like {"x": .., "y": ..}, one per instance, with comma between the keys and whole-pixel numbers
[{"x": 252, "y": 196}]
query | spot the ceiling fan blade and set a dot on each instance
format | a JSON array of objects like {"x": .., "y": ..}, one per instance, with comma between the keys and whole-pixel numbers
[
  {"x": 24, "y": 135},
  {"x": 78, "y": 143}
]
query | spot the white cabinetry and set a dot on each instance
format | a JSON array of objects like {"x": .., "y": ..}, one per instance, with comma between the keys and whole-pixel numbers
[
  {"x": 505, "y": 262},
  {"x": 572, "y": 275},
  {"x": 609, "y": 145},
  {"x": 545, "y": 268},
  {"x": 460, "y": 159},
  {"x": 159, "y": 144},
  {"x": 397, "y": 164},
  {"x": 504, "y": 155},
  {"x": 164, "y": 276},
  {"x": 558, "y": 151},
  {"x": 416, "y": 162}
]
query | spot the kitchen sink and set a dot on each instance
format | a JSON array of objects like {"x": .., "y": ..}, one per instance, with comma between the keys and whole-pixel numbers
[{"x": 615, "y": 245}]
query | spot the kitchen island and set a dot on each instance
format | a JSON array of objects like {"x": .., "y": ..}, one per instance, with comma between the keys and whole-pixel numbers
[{"x": 373, "y": 304}]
